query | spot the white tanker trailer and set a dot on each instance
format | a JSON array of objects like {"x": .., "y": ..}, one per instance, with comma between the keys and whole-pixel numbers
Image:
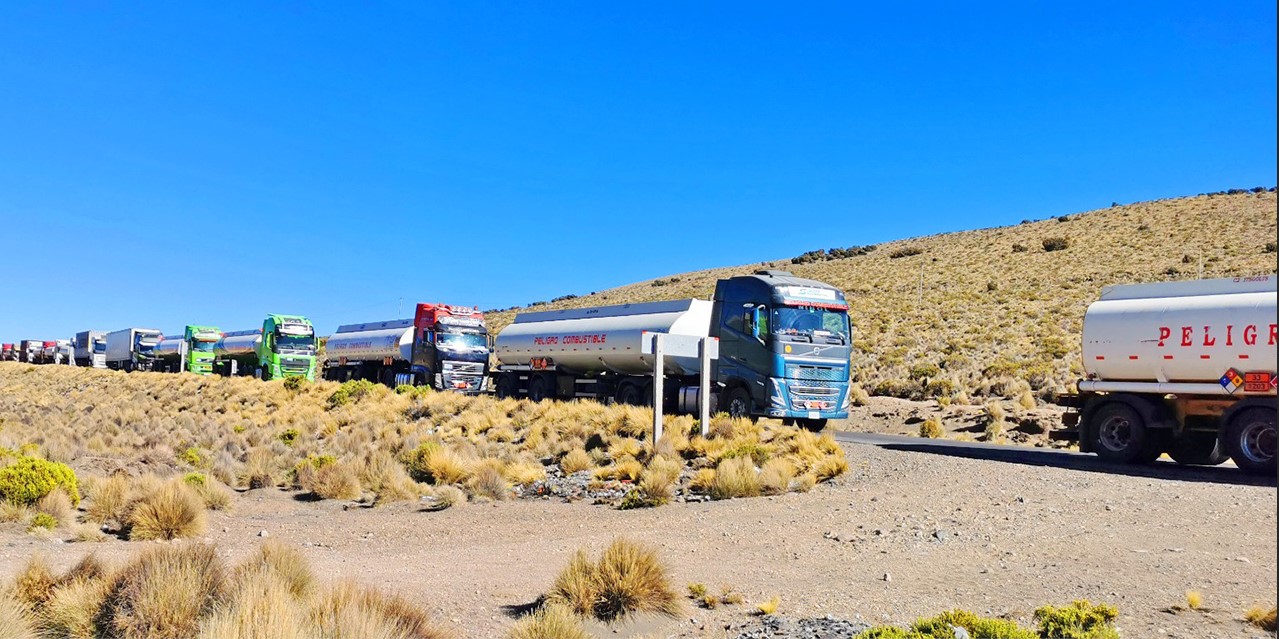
[
  {"x": 1186, "y": 368},
  {"x": 783, "y": 351}
]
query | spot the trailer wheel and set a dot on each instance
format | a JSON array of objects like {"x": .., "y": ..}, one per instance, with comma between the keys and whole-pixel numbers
[
  {"x": 1197, "y": 448},
  {"x": 629, "y": 394},
  {"x": 507, "y": 386},
  {"x": 541, "y": 388},
  {"x": 1120, "y": 434},
  {"x": 1250, "y": 439},
  {"x": 739, "y": 403}
]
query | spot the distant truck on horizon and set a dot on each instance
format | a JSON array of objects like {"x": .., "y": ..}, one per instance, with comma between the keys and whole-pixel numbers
[{"x": 1184, "y": 368}]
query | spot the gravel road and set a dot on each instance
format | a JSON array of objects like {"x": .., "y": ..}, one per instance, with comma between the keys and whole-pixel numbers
[{"x": 906, "y": 533}]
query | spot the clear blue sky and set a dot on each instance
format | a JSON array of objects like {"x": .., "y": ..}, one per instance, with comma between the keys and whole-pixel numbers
[{"x": 173, "y": 163}]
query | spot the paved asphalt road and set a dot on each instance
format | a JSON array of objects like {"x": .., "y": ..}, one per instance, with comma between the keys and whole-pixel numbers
[{"x": 1225, "y": 474}]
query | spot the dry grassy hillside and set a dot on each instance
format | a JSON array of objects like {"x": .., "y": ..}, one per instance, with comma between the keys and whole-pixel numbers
[{"x": 991, "y": 311}]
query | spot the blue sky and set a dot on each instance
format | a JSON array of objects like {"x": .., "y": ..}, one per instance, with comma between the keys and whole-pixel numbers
[{"x": 165, "y": 164}]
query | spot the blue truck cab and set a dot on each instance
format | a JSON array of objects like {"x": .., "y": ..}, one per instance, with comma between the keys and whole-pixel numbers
[{"x": 784, "y": 347}]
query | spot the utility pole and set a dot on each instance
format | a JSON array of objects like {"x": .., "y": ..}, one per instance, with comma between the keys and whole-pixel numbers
[{"x": 399, "y": 310}]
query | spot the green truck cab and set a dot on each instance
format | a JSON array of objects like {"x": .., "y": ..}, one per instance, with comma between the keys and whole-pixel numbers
[
  {"x": 285, "y": 346},
  {"x": 192, "y": 351}
]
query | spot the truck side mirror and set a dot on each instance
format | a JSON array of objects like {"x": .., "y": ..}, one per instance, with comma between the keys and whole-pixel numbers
[{"x": 757, "y": 329}]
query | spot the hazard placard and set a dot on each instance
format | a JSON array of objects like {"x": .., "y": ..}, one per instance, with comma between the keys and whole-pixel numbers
[{"x": 1258, "y": 382}]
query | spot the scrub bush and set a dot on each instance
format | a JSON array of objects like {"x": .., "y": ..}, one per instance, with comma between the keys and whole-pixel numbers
[
  {"x": 1080, "y": 620},
  {"x": 27, "y": 480}
]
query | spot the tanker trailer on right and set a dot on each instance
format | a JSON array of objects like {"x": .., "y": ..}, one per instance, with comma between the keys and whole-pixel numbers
[{"x": 1184, "y": 368}]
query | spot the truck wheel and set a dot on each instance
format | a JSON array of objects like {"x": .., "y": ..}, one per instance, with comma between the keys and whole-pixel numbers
[
  {"x": 738, "y": 404},
  {"x": 814, "y": 425},
  {"x": 1120, "y": 434},
  {"x": 1195, "y": 448},
  {"x": 541, "y": 388},
  {"x": 628, "y": 394},
  {"x": 1250, "y": 439},
  {"x": 506, "y": 386}
]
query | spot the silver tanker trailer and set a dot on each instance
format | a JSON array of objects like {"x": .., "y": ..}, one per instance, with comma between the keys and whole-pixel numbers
[
  {"x": 1186, "y": 368},
  {"x": 784, "y": 346}
]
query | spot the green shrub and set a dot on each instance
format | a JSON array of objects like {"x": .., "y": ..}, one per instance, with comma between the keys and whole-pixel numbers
[
  {"x": 196, "y": 480},
  {"x": 25, "y": 481},
  {"x": 193, "y": 457},
  {"x": 351, "y": 391},
  {"x": 288, "y": 436},
  {"x": 294, "y": 383},
  {"x": 45, "y": 521},
  {"x": 1080, "y": 620},
  {"x": 404, "y": 389},
  {"x": 417, "y": 461},
  {"x": 931, "y": 428},
  {"x": 924, "y": 371},
  {"x": 756, "y": 453},
  {"x": 940, "y": 626}
]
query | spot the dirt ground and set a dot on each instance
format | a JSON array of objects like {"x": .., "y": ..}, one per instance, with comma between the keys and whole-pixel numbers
[{"x": 904, "y": 534}]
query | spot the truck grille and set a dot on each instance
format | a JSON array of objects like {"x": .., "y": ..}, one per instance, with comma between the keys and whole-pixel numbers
[
  {"x": 464, "y": 368},
  {"x": 815, "y": 373},
  {"x": 295, "y": 365}
]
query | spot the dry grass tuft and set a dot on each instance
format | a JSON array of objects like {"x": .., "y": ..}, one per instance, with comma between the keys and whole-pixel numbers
[
  {"x": 109, "y": 500},
  {"x": 736, "y": 477},
  {"x": 173, "y": 511},
  {"x": 776, "y": 476},
  {"x": 34, "y": 583},
  {"x": 57, "y": 504},
  {"x": 285, "y": 563},
  {"x": 75, "y": 608},
  {"x": 349, "y": 610},
  {"x": 331, "y": 481},
  {"x": 16, "y": 621},
  {"x": 1261, "y": 618},
  {"x": 551, "y": 621},
  {"x": 165, "y": 591},
  {"x": 1194, "y": 599},
  {"x": 488, "y": 480},
  {"x": 576, "y": 460},
  {"x": 628, "y": 578},
  {"x": 769, "y": 607},
  {"x": 260, "y": 607}
]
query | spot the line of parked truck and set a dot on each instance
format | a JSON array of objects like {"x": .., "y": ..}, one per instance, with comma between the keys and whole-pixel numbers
[{"x": 1183, "y": 368}]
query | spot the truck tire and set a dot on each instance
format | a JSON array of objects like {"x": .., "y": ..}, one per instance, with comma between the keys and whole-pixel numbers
[
  {"x": 507, "y": 386},
  {"x": 1250, "y": 440},
  {"x": 813, "y": 425},
  {"x": 1197, "y": 448},
  {"x": 1119, "y": 434},
  {"x": 738, "y": 404},
  {"x": 629, "y": 394},
  {"x": 541, "y": 388}
]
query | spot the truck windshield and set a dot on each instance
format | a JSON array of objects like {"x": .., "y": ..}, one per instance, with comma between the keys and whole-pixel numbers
[
  {"x": 203, "y": 347},
  {"x": 810, "y": 321},
  {"x": 99, "y": 347},
  {"x": 470, "y": 341},
  {"x": 297, "y": 344}
]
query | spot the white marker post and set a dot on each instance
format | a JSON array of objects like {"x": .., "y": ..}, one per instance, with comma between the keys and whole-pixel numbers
[{"x": 661, "y": 345}]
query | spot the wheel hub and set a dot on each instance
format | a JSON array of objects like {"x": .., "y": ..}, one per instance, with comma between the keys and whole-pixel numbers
[
  {"x": 1258, "y": 442},
  {"x": 1115, "y": 434}
]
